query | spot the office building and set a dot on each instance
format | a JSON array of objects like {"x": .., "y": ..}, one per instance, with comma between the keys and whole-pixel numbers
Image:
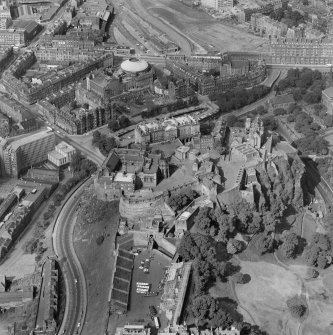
[
  {"x": 26, "y": 151},
  {"x": 62, "y": 154}
]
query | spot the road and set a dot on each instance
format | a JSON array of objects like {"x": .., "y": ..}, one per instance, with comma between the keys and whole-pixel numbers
[{"x": 76, "y": 290}]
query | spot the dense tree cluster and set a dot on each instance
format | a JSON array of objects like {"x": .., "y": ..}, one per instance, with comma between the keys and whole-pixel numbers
[
  {"x": 325, "y": 169},
  {"x": 120, "y": 123},
  {"x": 216, "y": 223},
  {"x": 289, "y": 17},
  {"x": 239, "y": 97},
  {"x": 179, "y": 104},
  {"x": 290, "y": 244},
  {"x": 206, "y": 269},
  {"x": 305, "y": 84},
  {"x": 103, "y": 142},
  {"x": 181, "y": 198},
  {"x": 312, "y": 145},
  {"x": 205, "y": 308},
  {"x": 319, "y": 252}
]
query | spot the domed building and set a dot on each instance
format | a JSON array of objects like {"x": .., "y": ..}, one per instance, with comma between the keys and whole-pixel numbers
[
  {"x": 136, "y": 73},
  {"x": 134, "y": 66}
]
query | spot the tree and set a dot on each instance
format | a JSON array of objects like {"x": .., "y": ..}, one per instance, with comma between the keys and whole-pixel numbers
[
  {"x": 234, "y": 246},
  {"x": 124, "y": 121},
  {"x": 96, "y": 137},
  {"x": 201, "y": 306},
  {"x": 221, "y": 319},
  {"x": 203, "y": 219},
  {"x": 264, "y": 243},
  {"x": 290, "y": 244},
  {"x": 113, "y": 125},
  {"x": 318, "y": 252},
  {"x": 85, "y": 106},
  {"x": 279, "y": 111},
  {"x": 296, "y": 306}
]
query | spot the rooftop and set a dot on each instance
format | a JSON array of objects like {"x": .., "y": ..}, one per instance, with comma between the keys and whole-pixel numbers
[
  {"x": 31, "y": 138},
  {"x": 134, "y": 65},
  {"x": 124, "y": 177},
  {"x": 64, "y": 147}
]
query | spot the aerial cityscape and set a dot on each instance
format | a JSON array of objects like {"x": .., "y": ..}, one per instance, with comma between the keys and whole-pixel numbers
[{"x": 166, "y": 167}]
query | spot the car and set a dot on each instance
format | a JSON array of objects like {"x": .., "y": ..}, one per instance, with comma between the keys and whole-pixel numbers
[
  {"x": 78, "y": 324},
  {"x": 75, "y": 281}
]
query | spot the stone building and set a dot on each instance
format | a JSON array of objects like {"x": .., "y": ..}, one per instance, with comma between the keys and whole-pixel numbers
[
  {"x": 127, "y": 170},
  {"x": 182, "y": 127},
  {"x": 299, "y": 51}
]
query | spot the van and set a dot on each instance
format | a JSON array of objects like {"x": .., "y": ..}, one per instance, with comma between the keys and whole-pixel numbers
[{"x": 157, "y": 322}]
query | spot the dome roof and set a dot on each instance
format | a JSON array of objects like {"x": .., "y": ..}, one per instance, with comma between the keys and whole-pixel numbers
[{"x": 134, "y": 65}]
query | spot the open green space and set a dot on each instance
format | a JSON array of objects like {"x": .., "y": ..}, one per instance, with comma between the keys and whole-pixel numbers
[{"x": 97, "y": 260}]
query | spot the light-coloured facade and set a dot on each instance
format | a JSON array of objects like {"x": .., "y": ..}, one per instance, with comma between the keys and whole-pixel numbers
[
  {"x": 217, "y": 4},
  {"x": 183, "y": 127},
  {"x": 62, "y": 154}
]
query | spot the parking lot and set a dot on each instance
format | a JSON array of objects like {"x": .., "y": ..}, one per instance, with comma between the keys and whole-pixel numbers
[{"x": 139, "y": 304}]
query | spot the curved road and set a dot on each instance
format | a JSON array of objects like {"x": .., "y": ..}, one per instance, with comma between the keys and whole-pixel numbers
[{"x": 76, "y": 291}]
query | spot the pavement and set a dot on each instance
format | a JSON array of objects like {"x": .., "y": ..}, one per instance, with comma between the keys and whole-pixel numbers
[{"x": 76, "y": 290}]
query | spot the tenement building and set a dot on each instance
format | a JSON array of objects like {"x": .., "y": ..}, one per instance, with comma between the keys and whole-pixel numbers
[
  {"x": 74, "y": 121},
  {"x": 18, "y": 113},
  {"x": 211, "y": 75},
  {"x": 182, "y": 127},
  {"x": 62, "y": 49},
  {"x": 30, "y": 92},
  {"x": 300, "y": 51}
]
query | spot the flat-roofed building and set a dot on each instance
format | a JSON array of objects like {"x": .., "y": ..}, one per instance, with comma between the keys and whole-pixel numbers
[
  {"x": 27, "y": 151},
  {"x": 62, "y": 154},
  {"x": 133, "y": 330},
  {"x": 41, "y": 174}
]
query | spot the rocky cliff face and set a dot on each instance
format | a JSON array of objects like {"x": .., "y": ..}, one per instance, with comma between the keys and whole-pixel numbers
[{"x": 282, "y": 182}]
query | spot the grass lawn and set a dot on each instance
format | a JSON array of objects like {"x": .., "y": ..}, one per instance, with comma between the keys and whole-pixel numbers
[
  {"x": 222, "y": 290},
  {"x": 123, "y": 274},
  {"x": 97, "y": 263},
  {"x": 251, "y": 254},
  {"x": 266, "y": 294},
  {"x": 124, "y": 263},
  {"x": 271, "y": 286}
]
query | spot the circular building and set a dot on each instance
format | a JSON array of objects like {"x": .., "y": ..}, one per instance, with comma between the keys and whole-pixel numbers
[{"x": 134, "y": 66}]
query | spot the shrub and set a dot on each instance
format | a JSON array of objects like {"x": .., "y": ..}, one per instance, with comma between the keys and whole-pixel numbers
[{"x": 100, "y": 240}]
